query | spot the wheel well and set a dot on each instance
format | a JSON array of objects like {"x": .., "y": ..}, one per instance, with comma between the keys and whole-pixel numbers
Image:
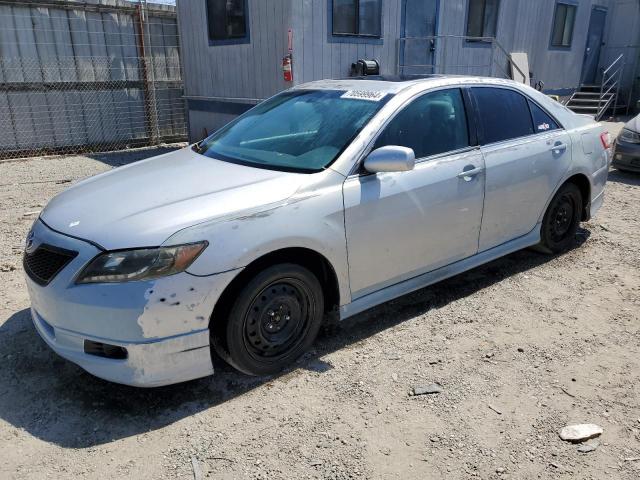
[
  {"x": 582, "y": 182},
  {"x": 304, "y": 257}
]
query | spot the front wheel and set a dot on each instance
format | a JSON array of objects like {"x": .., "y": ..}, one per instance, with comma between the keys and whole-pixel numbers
[
  {"x": 561, "y": 220},
  {"x": 275, "y": 318}
]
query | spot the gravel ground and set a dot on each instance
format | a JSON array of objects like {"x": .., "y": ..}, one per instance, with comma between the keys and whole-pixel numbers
[{"x": 521, "y": 347}]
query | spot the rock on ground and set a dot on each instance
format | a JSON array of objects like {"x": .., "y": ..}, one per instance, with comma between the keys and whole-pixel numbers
[{"x": 581, "y": 432}]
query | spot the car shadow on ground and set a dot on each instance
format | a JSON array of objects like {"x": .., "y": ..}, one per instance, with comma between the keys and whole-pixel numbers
[
  {"x": 58, "y": 402},
  {"x": 628, "y": 178}
]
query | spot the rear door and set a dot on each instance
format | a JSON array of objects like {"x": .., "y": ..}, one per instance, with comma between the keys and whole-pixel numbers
[{"x": 526, "y": 154}]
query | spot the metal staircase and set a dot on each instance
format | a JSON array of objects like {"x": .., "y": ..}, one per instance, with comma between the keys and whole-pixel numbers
[{"x": 596, "y": 100}]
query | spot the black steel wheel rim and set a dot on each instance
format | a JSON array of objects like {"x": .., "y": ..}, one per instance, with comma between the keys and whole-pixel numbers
[
  {"x": 562, "y": 217},
  {"x": 277, "y": 319}
]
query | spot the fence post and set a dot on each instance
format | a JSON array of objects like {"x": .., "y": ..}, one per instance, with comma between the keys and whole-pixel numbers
[{"x": 148, "y": 88}]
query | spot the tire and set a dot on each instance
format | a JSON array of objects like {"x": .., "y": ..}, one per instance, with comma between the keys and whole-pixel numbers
[
  {"x": 561, "y": 220},
  {"x": 274, "y": 319}
]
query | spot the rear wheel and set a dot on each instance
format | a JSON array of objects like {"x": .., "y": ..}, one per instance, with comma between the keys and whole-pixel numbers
[
  {"x": 561, "y": 220},
  {"x": 274, "y": 319}
]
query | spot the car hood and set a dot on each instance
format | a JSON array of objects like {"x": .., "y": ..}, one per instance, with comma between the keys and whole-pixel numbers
[
  {"x": 633, "y": 124},
  {"x": 144, "y": 203}
]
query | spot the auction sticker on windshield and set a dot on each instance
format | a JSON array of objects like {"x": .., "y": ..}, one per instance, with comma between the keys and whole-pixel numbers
[{"x": 364, "y": 95}]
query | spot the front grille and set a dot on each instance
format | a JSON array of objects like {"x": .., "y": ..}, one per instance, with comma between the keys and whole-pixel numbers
[{"x": 45, "y": 262}]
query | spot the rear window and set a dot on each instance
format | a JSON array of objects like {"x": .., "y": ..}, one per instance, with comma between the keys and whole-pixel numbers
[
  {"x": 504, "y": 114},
  {"x": 542, "y": 122}
]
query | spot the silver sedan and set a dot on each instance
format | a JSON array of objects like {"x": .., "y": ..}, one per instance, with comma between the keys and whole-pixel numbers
[{"x": 321, "y": 202}]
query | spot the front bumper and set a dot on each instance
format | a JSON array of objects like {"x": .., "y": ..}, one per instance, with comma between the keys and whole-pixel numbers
[
  {"x": 162, "y": 324},
  {"x": 627, "y": 156},
  {"x": 152, "y": 364}
]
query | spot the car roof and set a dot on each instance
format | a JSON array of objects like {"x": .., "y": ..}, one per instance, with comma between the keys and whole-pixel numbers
[
  {"x": 396, "y": 83},
  {"x": 414, "y": 84}
]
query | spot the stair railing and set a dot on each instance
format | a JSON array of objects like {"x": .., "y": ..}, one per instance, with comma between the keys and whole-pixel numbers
[
  {"x": 610, "y": 87},
  {"x": 444, "y": 54},
  {"x": 510, "y": 62}
]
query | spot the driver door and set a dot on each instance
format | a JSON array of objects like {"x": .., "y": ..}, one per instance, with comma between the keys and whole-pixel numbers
[{"x": 402, "y": 224}]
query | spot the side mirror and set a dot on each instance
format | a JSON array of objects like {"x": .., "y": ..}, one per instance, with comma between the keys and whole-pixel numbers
[{"x": 391, "y": 158}]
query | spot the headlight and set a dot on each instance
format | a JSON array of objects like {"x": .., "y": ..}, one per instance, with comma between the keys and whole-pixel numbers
[
  {"x": 629, "y": 136},
  {"x": 140, "y": 264}
]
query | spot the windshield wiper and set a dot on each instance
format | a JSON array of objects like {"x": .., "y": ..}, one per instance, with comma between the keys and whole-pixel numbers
[{"x": 197, "y": 147}]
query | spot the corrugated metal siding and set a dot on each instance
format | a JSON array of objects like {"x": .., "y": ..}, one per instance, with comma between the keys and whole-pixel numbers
[
  {"x": 49, "y": 44},
  {"x": 317, "y": 58},
  {"x": 243, "y": 71},
  {"x": 252, "y": 71},
  {"x": 525, "y": 26},
  {"x": 623, "y": 36}
]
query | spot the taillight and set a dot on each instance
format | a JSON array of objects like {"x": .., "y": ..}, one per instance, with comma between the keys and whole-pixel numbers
[{"x": 605, "y": 138}]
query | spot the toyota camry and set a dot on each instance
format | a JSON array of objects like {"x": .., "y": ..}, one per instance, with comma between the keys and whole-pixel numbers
[{"x": 317, "y": 204}]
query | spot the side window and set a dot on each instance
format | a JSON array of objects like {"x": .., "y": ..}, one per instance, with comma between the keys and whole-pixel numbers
[
  {"x": 434, "y": 123},
  {"x": 542, "y": 122},
  {"x": 504, "y": 114},
  {"x": 227, "y": 21}
]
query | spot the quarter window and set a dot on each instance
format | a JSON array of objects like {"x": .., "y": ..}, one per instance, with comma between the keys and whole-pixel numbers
[
  {"x": 542, "y": 122},
  {"x": 504, "y": 114},
  {"x": 357, "y": 17},
  {"x": 433, "y": 124},
  {"x": 482, "y": 18},
  {"x": 227, "y": 20},
  {"x": 563, "y": 23}
]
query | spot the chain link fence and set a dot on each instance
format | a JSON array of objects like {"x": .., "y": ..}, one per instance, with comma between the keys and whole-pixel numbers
[{"x": 88, "y": 78}]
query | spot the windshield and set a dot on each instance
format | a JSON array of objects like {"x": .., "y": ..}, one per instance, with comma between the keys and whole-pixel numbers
[{"x": 303, "y": 130}]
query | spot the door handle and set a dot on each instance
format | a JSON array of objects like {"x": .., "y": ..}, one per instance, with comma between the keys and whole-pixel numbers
[
  {"x": 559, "y": 148},
  {"x": 469, "y": 174}
]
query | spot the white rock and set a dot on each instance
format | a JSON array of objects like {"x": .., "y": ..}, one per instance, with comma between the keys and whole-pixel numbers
[
  {"x": 427, "y": 390},
  {"x": 580, "y": 433}
]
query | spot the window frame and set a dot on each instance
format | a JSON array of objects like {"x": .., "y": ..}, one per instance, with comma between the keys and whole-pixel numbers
[
  {"x": 566, "y": 3},
  {"x": 470, "y": 112},
  {"x": 471, "y": 42},
  {"x": 481, "y": 134},
  {"x": 333, "y": 37},
  {"x": 234, "y": 40}
]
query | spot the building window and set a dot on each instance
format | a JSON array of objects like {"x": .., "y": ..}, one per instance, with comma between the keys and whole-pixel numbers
[
  {"x": 227, "y": 21},
  {"x": 563, "y": 23},
  {"x": 361, "y": 18},
  {"x": 482, "y": 19}
]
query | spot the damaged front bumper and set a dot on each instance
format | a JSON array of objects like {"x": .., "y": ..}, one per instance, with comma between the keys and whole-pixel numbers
[
  {"x": 151, "y": 364},
  {"x": 141, "y": 333}
]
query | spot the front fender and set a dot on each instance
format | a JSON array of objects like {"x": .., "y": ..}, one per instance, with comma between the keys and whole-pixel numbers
[{"x": 313, "y": 218}]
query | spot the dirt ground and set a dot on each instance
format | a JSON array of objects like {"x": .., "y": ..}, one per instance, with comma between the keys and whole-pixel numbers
[{"x": 522, "y": 347}]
